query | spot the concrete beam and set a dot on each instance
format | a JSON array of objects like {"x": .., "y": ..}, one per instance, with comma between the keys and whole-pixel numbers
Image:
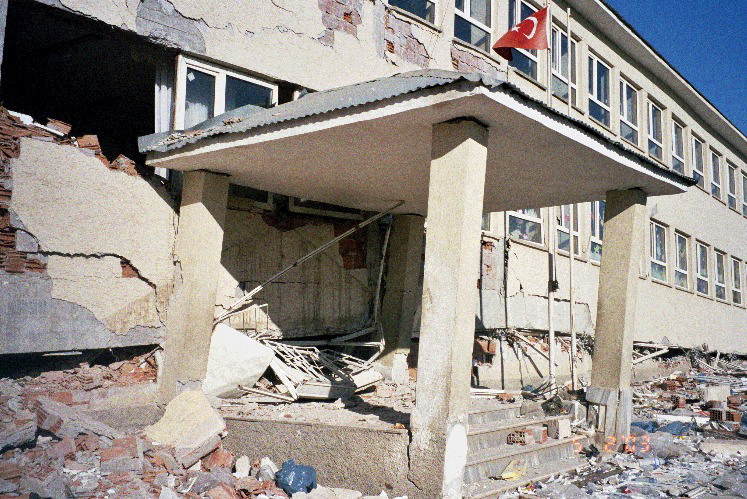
[
  {"x": 624, "y": 241},
  {"x": 438, "y": 452},
  {"x": 403, "y": 292},
  {"x": 199, "y": 242}
]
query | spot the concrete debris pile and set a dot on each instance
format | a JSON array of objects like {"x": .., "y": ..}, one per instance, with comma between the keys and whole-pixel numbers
[{"x": 271, "y": 371}]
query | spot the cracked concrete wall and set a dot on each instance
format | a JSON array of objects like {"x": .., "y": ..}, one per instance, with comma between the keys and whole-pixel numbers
[{"x": 107, "y": 241}]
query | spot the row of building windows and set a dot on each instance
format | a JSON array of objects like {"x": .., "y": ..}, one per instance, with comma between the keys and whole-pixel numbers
[{"x": 716, "y": 274}]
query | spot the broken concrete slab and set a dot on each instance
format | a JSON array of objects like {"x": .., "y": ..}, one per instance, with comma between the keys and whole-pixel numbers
[
  {"x": 719, "y": 393},
  {"x": 715, "y": 446},
  {"x": 19, "y": 429},
  {"x": 190, "y": 425},
  {"x": 64, "y": 421},
  {"x": 234, "y": 359}
]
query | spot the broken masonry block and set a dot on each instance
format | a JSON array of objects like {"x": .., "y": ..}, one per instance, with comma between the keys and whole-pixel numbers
[
  {"x": 63, "y": 421},
  {"x": 58, "y": 125},
  {"x": 559, "y": 428},
  {"x": 21, "y": 429},
  {"x": 523, "y": 436},
  {"x": 88, "y": 142},
  {"x": 539, "y": 433}
]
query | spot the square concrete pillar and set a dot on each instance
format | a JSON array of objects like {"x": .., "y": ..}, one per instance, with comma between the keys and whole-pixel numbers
[
  {"x": 438, "y": 451},
  {"x": 612, "y": 362},
  {"x": 403, "y": 292},
  {"x": 199, "y": 242}
]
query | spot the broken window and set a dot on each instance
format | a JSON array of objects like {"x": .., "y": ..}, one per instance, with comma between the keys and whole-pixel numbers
[
  {"x": 628, "y": 112},
  {"x": 732, "y": 187},
  {"x": 715, "y": 174},
  {"x": 599, "y": 90},
  {"x": 655, "y": 131},
  {"x": 424, "y": 9},
  {"x": 472, "y": 22},
  {"x": 678, "y": 148},
  {"x": 681, "y": 261},
  {"x": 698, "y": 162},
  {"x": 597, "y": 230},
  {"x": 564, "y": 213},
  {"x": 720, "y": 275},
  {"x": 526, "y": 225},
  {"x": 736, "y": 281},
  {"x": 205, "y": 90},
  {"x": 658, "y": 252},
  {"x": 524, "y": 60},
  {"x": 702, "y": 261}
]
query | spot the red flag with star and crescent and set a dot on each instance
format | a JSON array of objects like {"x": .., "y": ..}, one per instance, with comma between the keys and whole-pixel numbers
[{"x": 529, "y": 34}]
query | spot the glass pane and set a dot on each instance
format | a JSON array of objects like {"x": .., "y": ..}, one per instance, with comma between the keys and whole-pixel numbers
[
  {"x": 680, "y": 279},
  {"x": 603, "y": 82},
  {"x": 599, "y": 113},
  {"x": 596, "y": 252},
  {"x": 602, "y": 205},
  {"x": 678, "y": 165},
  {"x": 559, "y": 88},
  {"x": 655, "y": 125},
  {"x": 715, "y": 169},
  {"x": 732, "y": 180},
  {"x": 563, "y": 240},
  {"x": 703, "y": 286},
  {"x": 524, "y": 64},
  {"x": 659, "y": 243},
  {"x": 654, "y": 149},
  {"x": 698, "y": 155},
  {"x": 593, "y": 219},
  {"x": 486, "y": 221},
  {"x": 628, "y": 133},
  {"x": 524, "y": 229},
  {"x": 720, "y": 292},
  {"x": 526, "y": 11},
  {"x": 681, "y": 253},
  {"x": 532, "y": 212},
  {"x": 480, "y": 11},
  {"x": 468, "y": 32},
  {"x": 200, "y": 97},
  {"x": 241, "y": 93},
  {"x": 591, "y": 76},
  {"x": 512, "y": 14},
  {"x": 679, "y": 142},
  {"x": 422, "y": 8},
  {"x": 564, "y": 54},
  {"x": 658, "y": 272},
  {"x": 459, "y": 4},
  {"x": 699, "y": 178},
  {"x": 736, "y": 275},
  {"x": 573, "y": 62},
  {"x": 736, "y": 297},
  {"x": 716, "y": 190},
  {"x": 720, "y": 269},
  {"x": 702, "y": 261}
]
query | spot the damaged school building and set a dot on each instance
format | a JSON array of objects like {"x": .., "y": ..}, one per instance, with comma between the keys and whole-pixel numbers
[{"x": 170, "y": 169}]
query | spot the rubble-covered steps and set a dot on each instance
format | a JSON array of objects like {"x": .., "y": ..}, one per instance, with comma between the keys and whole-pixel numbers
[{"x": 490, "y": 423}]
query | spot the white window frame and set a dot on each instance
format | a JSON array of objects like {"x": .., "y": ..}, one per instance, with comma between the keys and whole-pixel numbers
[
  {"x": 678, "y": 238},
  {"x": 701, "y": 156},
  {"x": 529, "y": 218},
  {"x": 654, "y": 260},
  {"x": 517, "y": 17},
  {"x": 681, "y": 159},
  {"x": 557, "y": 66},
  {"x": 702, "y": 274},
  {"x": 596, "y": 225},
  {"x": 732, "y": 186},
  {"x": 651, "y": 137},
  {"x": 220, "y": 73},
  {"x": 594, "y": 61},
  {"x": 432, "y": 3},
  {"x": 573, "y": 233},
  {"x": 744, "y": 193},
  {"x": 623, "y": 111},
  {"x": 467, "y": 17},
  {"x": 737, "y": 296},
  {"x": 715, "y": 164},
  {"x": 717, "y": 284}
]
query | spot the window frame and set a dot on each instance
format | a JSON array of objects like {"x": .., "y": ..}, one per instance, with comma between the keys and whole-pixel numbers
[
  {"x": 652, "y": 249},
  {"x": 596, "y": 226},
  {"x": 680, "y": 236},
  {"x": 220, "y": 73},
  {"x": 699, "y": 175},
  {"x": 736, "y": 281},
  {"x": 732, "y": 199},
  {"x": 676, "y": 124},
  {"x": 467, "y": 17},
  {"x": 716, "y": 283},
  {"x": 744, "y": 193},
  {"x": 699, "y": 276},
  {"x": 650, "y": 106},
  {"x": 716, "y": 180},
  {"x": 433, "y": 4},
  {"x": 574, "y": 233},
  {"x": 528, "y": 53},
  {"x": 528, "y": 218},
  {"x": 594, "y": 62},
  {"x": 623, "y": 111},
  {"x": 570, "y": 80}
]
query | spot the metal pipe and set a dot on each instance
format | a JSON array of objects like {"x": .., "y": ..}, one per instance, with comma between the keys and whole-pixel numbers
[
  {"x": 551, "y": 294},
  {"x": 571, "y": 297}
]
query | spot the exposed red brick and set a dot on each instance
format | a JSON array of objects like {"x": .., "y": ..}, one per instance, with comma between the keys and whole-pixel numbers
[
  {"x": 124, "y": 164},
  {"x": 35, "y": 266},
  {"x": 222, "y": 491},
  {"x": 58, "y": 125},
  {"x": 7, "y": 240},
  {"x": 219, "y": 458},
  {"x": 9, "y": 471},
  {"x": 89, "y": 142},
  {"x": 15, "y": 262},
  {"x": 128, "y": 270}
]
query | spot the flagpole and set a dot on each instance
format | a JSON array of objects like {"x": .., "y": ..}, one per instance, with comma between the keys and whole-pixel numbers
[
  {"x": 551, "y": 225},
  {"x": 573, "y": 221},
  {"x": 549, "y": 52}
]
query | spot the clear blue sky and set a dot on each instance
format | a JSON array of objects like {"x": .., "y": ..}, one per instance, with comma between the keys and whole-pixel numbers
[{"x": 705, "y": 40}]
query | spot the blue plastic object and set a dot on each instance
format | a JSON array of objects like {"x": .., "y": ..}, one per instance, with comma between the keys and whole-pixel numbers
[
  {"x": 649, "y": 426},
  {"x": 294, "y": 477},
  {"x": 677, "y": 428}
]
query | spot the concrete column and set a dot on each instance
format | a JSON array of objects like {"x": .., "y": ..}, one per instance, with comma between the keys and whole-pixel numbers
[
  {"x": 624, "y": 235},
  {"x": 189, "y": 324},
  {"x": 403, "y": 292},
  {"x": 438, "y": 451}
]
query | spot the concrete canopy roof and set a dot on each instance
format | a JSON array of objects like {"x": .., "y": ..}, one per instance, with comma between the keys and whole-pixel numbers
[{"x": 367, "y": 146}]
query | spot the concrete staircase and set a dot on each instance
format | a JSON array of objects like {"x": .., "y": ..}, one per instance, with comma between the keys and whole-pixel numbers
[{"x": 490, "y": 423}]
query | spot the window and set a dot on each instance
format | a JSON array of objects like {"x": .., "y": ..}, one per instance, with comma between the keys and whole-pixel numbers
[
  {"x": 736, "y": 281},
  {"x": 680, "y": 261},
  {"x": 597, "y": 230},
  {"x": 526, "y": 225},
  {"x": 655, "y": 131},
  {"x": 563, "y": 65},
  {"x": 472, "y": 22},
  {"x": 524, "y": 60},
  {"x": 564, "y": 228},
  {"x": 599, "y": 90},
  {"x": 424, "y": 9},
  {"x": 205, "y": 91},
  {"x": 698, "y": 162},
  {"x": 628, "y": 112},
  {"x": 720, "y": 276},
  {"x": 486, "y": 222},
  {"x": 658, "y": 252},
  {"x": 678, "y": 148},
  {"x": 715, "y": 175},
  {"x": 702, "y": 262},
  {"x": 744, "y": 194},
  {"x": 732, "y": 187}
]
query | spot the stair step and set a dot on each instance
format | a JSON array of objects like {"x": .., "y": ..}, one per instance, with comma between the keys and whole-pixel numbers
[
  {"x": 488, "y": 488},
  {"x": 482, "y": 411},
  {"x": 495, "y": 433},
  {"x": 489, "y": 462}
]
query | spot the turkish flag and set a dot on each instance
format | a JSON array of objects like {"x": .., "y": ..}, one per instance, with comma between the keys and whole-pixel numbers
[{"x": 529, "y": 34}]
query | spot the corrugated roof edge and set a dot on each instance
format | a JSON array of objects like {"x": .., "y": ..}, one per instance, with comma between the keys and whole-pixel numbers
[{"x": 315, "y": 103}]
